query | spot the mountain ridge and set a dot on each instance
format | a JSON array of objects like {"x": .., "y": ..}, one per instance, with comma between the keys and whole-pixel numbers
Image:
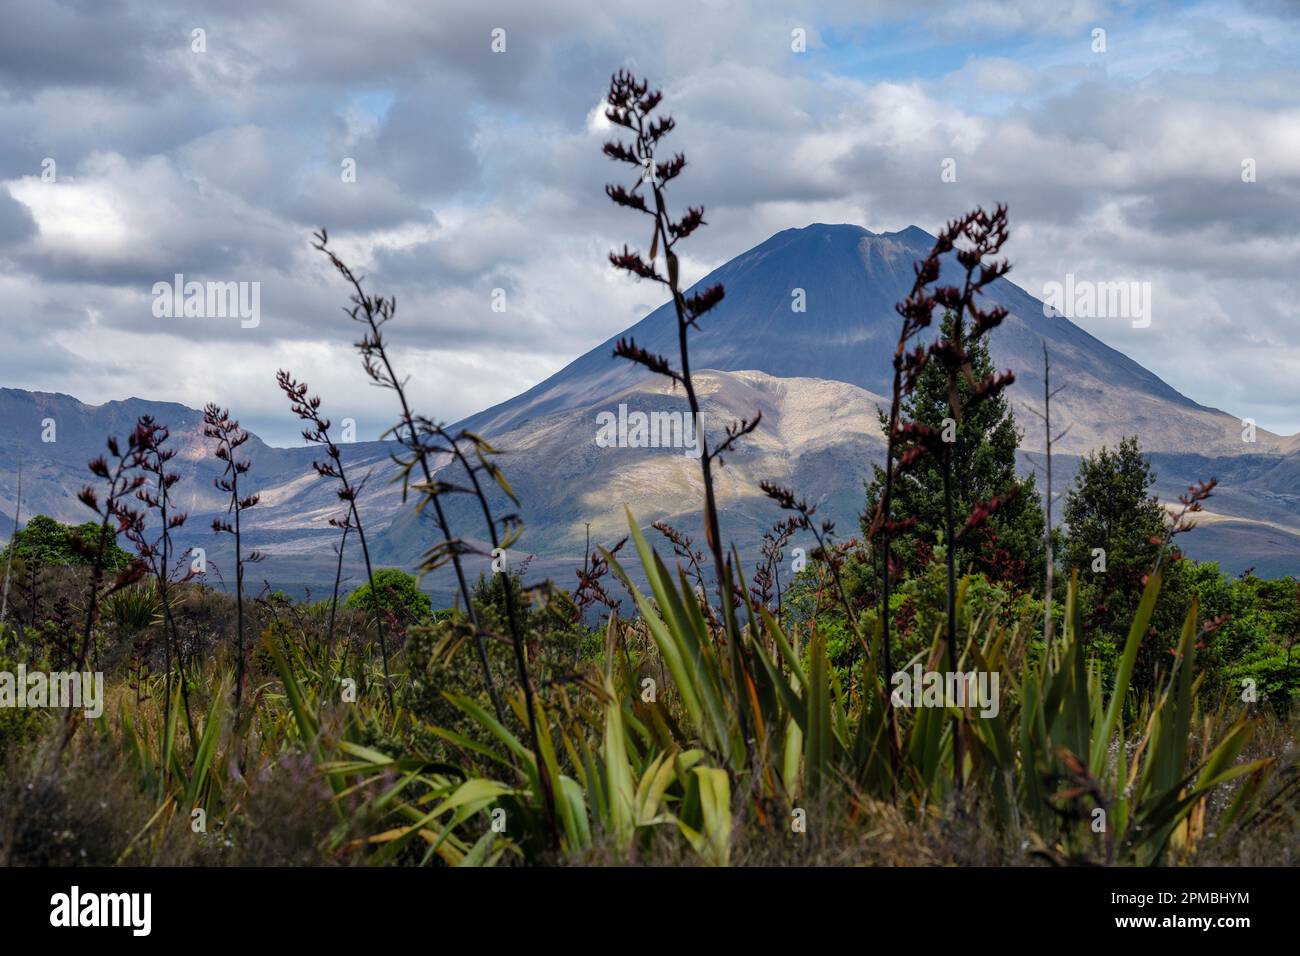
[
  {"x": 818, "y": 375},
  {"x": 851, "y": 279}
]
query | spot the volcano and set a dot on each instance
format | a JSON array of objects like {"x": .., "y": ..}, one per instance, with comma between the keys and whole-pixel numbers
[
  {"x": 805, "y": 335},
  {"x": 818, "y": 303}
]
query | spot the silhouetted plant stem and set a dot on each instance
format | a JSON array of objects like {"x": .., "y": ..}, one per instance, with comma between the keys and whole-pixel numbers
[
  {"x": 239, "y": 604},
  {"x": 1047, "y": 534},
  {"x": 949, "y": 537},
  {"x": 120, "y": 487},
  {"x": 917, "y": 312},
  {"x": 13, "y": 540},
  {"x": 767, "y": 577},
  {"x": 785, "y": 498},
  {"x": 712, "y": 529},
  {"x": 887, "y": 499},
  {"x": 121, "y": 484},
  {"x": 229, "y": 436},
  {"x": 1191, "y": 503},
  {"x": 630, "y": 103},
  {"x": 307, "y": 408},
  {"x": 516, "y": 632},
  {"x": 1049, "y": 623},
  {"x": 373, "y": 312},
  {"x": 153, "y": 458},
  {"x": 334, "y": 595},
  {"x": 374, "y": 594},
  {"x": 985, "y": 234}
]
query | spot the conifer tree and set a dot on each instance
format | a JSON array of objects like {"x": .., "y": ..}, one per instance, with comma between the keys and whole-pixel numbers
[
  {"x": 1009, "y": 545},
  {"x": 1115, "y": 528}
]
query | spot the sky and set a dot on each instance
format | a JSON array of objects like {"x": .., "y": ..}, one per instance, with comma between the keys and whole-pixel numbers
[{"x": 456, "y": 177}]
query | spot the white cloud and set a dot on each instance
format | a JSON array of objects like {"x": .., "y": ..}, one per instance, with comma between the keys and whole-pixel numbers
[{"x": 483, "y": 171}]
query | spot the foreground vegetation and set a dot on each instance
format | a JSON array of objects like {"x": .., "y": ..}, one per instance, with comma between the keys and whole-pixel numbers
[
  {"x": 639, "y": 725},
  {"x": 709, "y": 715}
]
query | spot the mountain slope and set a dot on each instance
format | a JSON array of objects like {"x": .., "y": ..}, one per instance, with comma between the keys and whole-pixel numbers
[
  {"x": 290, "y": 522},
  {"x": 817, "y": 435},
  {"x": 817, "y": 376},
  {"x": 851, "y": 280}
]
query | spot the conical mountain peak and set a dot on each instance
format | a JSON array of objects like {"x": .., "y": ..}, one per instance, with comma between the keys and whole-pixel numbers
[{"x": 818, "y": 302}]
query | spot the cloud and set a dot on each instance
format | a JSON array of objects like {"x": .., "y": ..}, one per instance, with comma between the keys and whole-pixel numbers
[
  {"x": 16, "y": 222},
  {"x": 1016, "y": 16},
  {"x": 478, "y": 171}
]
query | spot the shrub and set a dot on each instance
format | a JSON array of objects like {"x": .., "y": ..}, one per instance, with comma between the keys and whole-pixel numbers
[
  {"x": 44, "y": 541},
  {"x": 399, "y": 595}
]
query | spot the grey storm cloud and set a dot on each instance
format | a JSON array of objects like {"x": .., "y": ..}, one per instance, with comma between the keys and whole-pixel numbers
[
  {"x": 16, "y": 222},
  {"x": 84, "y": 43},
  {"x": 477, "y": 171}
]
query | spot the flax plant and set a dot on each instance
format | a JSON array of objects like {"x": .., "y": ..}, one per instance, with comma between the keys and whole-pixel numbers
[
  {"x": 344, "y": 524},
  {"x": 156, "y": 552},
  {"x": 115, "y": 515},
  {"x": 631, "y": 104},
  {"x": 424, "y": 442},
  {"x": 373, "y": 313},
  {"x": 219, "y": 426},
  {"x": 436, "y": 441},
  {"x": 917, "y": 311},
  {"x": 307, "y": 408},
  {"x": 974, "y": 240}
]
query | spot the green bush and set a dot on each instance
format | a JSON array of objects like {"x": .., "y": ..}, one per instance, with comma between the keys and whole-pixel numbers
[
  {"x": 44, "y": 541},
  {"x": 399, "y": 595}
]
